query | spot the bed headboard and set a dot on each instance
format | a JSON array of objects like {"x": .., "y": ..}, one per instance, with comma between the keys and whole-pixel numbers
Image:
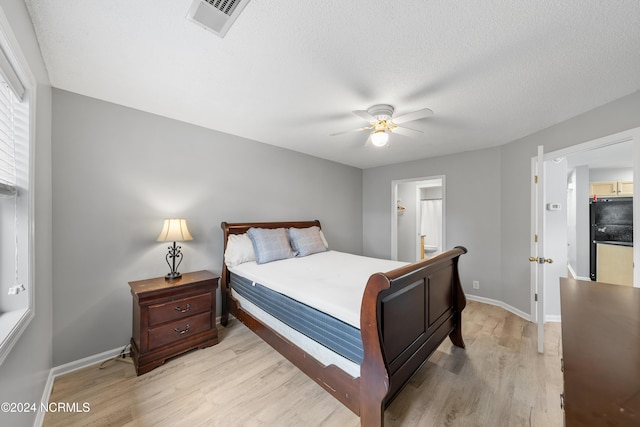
[{"x": 240, "y": 228}]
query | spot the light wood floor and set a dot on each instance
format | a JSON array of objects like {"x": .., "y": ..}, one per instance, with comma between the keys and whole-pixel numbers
[{"x": 498, "y": 380}]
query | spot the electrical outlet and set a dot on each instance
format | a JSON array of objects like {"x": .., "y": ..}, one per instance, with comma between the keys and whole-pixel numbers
[{"x": 476, "y": 284}]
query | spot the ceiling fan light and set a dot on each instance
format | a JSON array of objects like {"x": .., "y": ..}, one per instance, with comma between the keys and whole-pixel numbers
[{"x": 379, "y": 138}]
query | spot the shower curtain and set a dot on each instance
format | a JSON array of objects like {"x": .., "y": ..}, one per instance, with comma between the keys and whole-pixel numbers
[{"x": 431, "y": 222}]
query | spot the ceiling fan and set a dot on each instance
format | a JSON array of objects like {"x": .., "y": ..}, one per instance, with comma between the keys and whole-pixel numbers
[{"x": 382, "y": 122}]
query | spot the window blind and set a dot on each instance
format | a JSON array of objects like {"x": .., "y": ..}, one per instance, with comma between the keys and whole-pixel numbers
[
  {"x": 11, "y": 92},
  {"x": 10, "y": 77},
  {"x": 7, "y": 140}
]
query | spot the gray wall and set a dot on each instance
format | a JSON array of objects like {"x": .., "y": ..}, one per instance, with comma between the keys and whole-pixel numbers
[
  {"x": 430, "y": 193},
  {"x": 24, "y": 372},
  {"x": 610, "y": 174},
  {"x": 578, "y": 227},
  {"x": 117, "y": 172},
  {"x": 488, "y": 200},
  {"x": 472, "y": 211}
]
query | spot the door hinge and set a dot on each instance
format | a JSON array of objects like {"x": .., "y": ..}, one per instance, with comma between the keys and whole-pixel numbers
[
  {"x": 535, "y": 238},
  {"x": 536, "y": 179},
  {"x": 536, "y": 298}
]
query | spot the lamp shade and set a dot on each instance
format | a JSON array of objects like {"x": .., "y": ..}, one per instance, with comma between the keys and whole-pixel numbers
[{"x": 174, "y": 230}]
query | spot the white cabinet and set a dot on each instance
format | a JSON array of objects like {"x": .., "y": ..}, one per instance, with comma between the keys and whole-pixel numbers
[
  {"x": 625, "y": 188},
  {"x": 611, "y": 189},
  {"x": 614, "y": 264}
]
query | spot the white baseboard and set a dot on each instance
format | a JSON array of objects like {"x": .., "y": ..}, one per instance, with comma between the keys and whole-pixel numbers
[
  {"x": 74, "y": 366},
  {"x": 507, "y": 307},
  {"x": 46, "y": 393},
  {"x": 574, "y": 275},
  {"x": 525, "y": 316},
  {"x": 86, "y": 362},
  {"x": 68, "y": 368}
]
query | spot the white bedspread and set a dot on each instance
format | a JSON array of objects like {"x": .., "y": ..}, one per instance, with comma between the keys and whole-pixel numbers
[{"x": 332, "y": 282}]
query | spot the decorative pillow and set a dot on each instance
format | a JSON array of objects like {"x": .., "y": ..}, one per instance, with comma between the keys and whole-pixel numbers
[
  {"x": 239, "y": 249},
  {"x": 307, "y": 241},
  {"x": 270, "y": 244}
]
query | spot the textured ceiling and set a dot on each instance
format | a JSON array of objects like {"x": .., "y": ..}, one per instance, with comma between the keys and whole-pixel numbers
[{"x": 289, "y": 73}]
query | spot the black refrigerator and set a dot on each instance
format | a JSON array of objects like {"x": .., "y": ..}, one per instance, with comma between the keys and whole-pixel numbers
[{"x": 611, "y": 223}]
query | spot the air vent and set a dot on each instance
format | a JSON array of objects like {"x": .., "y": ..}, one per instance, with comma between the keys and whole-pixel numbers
[{"x": 216, "y": 15}]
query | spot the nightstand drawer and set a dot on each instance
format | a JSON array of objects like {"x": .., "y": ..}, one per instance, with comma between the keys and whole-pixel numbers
[
  {"x": 179, "y": 330},
  {"x": 179, "y": 309}
]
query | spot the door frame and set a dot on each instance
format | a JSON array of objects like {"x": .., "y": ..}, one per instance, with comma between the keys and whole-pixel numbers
[
  {"x": 537, "y": 243},
  {"x": 394, "y": 210},
  {"x": 625, "y": 136}
]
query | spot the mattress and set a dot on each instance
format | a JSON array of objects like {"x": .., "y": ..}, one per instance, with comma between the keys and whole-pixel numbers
[
  {"x": 332, "y": 333},
  {"x": 313, "y": 301},
  {"x": 332, "y": 282}
]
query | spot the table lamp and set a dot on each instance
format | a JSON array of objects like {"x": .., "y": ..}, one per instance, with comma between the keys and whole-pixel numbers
[{"x": 174, "y": 230}]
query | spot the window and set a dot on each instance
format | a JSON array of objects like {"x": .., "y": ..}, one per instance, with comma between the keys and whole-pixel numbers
[
  {"x": 16, "y": 297},
  {"x": 7, "y": 141}
]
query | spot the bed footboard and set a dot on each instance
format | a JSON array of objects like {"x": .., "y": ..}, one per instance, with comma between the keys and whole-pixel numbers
[{"x": 406, "y": 314}]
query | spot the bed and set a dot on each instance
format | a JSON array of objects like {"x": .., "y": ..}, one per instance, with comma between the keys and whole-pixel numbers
[{"x": 404, "y": 315}]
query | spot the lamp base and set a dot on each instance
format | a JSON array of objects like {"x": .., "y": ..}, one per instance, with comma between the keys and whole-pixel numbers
[{"x": 173, "y": 275}]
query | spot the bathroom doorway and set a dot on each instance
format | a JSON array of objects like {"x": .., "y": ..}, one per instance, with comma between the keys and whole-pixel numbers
[{"x": 418, "y": 218}]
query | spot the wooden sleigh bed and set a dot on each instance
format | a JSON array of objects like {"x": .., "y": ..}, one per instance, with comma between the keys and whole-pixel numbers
[{"x": 405, "y": 315}]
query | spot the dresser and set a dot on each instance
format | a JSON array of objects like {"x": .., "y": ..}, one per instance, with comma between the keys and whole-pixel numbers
[
  {"x": 171, "y": 317},
  {"x": 600, "y": 353}
]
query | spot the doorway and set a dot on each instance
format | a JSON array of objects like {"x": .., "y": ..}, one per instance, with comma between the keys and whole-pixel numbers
[
  {"x": 418, "y": 218},
  {"x": 612, "y": 152}
]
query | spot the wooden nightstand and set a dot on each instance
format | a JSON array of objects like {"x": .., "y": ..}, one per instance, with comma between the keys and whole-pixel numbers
[{"x": 171, "y": 317}]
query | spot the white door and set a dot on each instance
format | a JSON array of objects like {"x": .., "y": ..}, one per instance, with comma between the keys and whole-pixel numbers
[{"x": 537, "y": 258}]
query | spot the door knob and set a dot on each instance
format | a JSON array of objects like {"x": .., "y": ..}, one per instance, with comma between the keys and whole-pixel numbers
[{"x": 540, "y": 260}]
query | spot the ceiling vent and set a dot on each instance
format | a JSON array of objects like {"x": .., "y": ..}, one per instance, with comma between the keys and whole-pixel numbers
[{"x": 216, "y": 15}]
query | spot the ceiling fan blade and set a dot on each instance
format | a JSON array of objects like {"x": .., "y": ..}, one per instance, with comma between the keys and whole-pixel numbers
[
  {"x": 407, "y": 132},
  {"x": 416, "y": 115},
  {"x": 352, "y": 130},
  {"x": 365, "y": 115}
]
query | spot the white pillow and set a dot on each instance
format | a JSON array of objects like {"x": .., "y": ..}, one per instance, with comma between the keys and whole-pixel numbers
[
  {"x": 239, "y": 249},
  {"x": 324, "y": 240}
]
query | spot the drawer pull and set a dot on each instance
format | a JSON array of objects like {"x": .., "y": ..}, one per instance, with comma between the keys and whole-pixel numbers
[
  {"x": 185, "y": 309},
  {"x": 184, "y": 331}
]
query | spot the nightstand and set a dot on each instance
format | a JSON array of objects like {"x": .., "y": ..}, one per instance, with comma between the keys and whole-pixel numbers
[{"x": 171, "y": 317}]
